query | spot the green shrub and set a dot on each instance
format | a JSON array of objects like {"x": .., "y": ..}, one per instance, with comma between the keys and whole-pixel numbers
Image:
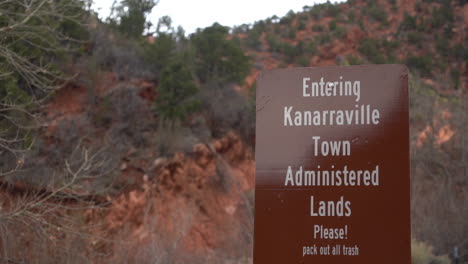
[
  {"x": 288, "y": 18},
  {"x": 390, "y": 46},
  {"x": 351, "y": 16},
  {"x": 303, "y": 61},
  {"x": 318, "y": 28},
  {"x": 371, "y": 49},
  {"x": 442, "y": 16},
  {"x": 460, "y": 52},
  {"x": 354, "y": 60},
  {"x": 332, "y": 25},
  {"x": 132, "y": 17},
  {"x": 292, "y": 33},
  {"x": 419, "y": 7},
  {"x": 288, "y": 50},
  {"x": 361, "y": 25},
  {"x": 415, "y": 38},
  {"x": 175, "y": 92},
  {"x": 455, "y": 76},
  {"x": 328, "y": 9},
  {"x": 11, "y": 93},
  {"x": 244, "y": 28},
  {"x": 332, "y": 9},
  {"x": 423, "y": 25},
  {"x": 310, "y": 48},
  {"x": 443, "y": 46},
  {"x": 421, "y": 253},
  {"x": 299, "y": 48},
  {"x": 277, "y": 29},
  {"x": 158, "y": 54},
  {"x": 303, "y": 18},
  {"x": 301, "y": 26},
  {"x": 339, "y": 32},
  {"x": 315, "y": 12},
  {"x": 218, "y": 57},
  {"x": 273, "y": 42},
  {"x": 423, "y": 64},
  {"x": 377, "y": 13},
  {"x": 341, "y": 18},
  {"x": 324, "y": 38},
  {"x": 253, "y": 39},
  {"x": 408, "y": 23},
  {"x": 448, "y": 30}
]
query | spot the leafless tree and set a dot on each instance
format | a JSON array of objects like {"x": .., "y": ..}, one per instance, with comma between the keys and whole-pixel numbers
[
  {"x": 48, "y": 214},
  {"x": 33, "y": 35},
  {"x": 39, "y": 24},
  {"x": 438, "y": 164}
]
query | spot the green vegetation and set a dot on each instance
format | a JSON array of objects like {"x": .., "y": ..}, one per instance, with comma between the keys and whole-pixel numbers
[
  {"x": 371, "y": 49},
  {"x": 253, "y": 36},
  {"x": 288, "y": 18},
  {"x": 354, "y": 60},
  {"x": 393, "y": 3},
  {"x": 318, "y": 28},
  {"x": 289, "y": 51},
  {"x": 303, "y": 61},
  {"x": 332, "y": 25},
  {"x": 310, "y": 48},
  {"x": 325, "y": 9},
  {"x": 455, "y": 75},
  {"x": 302, "y": 20},
  {"x": 315, "y": 12},
  {"x": 339, "y": 32},
  {"x": 217, "y": 57},
  {"x": 292, "y": 33},
  {"x": 421, "y": 253},
  {"x": 131, "y": 15},
  {"x": 273, "y": 42},
  {"x": 34, "y": 44},
  {"x": 293, "y": 53},
  {"x": 415, "y": 38},
  {"x": 460, "y": 52},
  {"x": 379, "y": 51},
  {"x": 442, "y": 16},
  {"x": 423, "y": 64},
  {"x": 409, "y": 23},
  {"x": 175, "y": 93},
  {"x": 125, "y": 95},
  {"x": 443, "y": 46},
  {"x": 332, "y": 10},
  {"x": 160, "y": 53},
  {"x": 301, "y": 26},
  {"x": 376, "y": 12},
  {"x": 324, "y": 38},
  {"x": 352, "y": 16}
]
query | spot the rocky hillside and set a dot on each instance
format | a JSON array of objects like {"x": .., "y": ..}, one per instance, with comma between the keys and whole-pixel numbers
[{"x": 428, "y": 36}]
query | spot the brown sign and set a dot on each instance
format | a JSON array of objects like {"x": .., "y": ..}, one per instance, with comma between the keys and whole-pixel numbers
[{"x": 332, "y": 154}]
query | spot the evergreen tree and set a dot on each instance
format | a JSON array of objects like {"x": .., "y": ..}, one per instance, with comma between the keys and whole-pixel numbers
[
  {"x": 175, "y": 92},
  {"x": 159, "y": 53},
  {"x": 218, "y": 57},
  {"x": 131, "y": 16}
]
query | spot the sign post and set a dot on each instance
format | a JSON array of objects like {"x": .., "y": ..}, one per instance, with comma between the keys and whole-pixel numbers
[{"x": 332, "y": 155}]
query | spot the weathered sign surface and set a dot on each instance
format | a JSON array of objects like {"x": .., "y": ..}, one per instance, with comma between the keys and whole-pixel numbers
[{"x": 332, "y": 155}]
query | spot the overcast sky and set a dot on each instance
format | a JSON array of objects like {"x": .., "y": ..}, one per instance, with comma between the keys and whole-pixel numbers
[{"x": 193, "y": 14}]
